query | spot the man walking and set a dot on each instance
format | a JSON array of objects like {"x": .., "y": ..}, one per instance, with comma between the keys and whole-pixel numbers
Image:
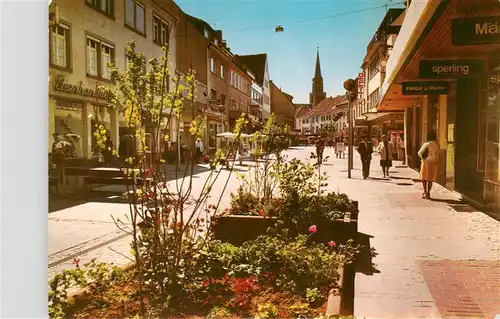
[
  {"x": 365, "y": 150},
  {"x": 320, "y": 146}
]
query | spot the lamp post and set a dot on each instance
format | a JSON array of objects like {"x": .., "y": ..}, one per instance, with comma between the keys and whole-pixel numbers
[{"x": 349, "y": 86}]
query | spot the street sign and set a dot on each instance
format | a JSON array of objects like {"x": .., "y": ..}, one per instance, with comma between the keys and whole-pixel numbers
[
  {"x": 424, "y": 88},
  {"x": 450, "y": 68},
  {"x": 481, "y": 30}
]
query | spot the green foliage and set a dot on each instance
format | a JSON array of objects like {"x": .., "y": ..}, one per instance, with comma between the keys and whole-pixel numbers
[
  {"x": 297, "y": 178},
  {"x": 296, "y": 264},
  {"x": 301, "y": 310},
  {"x": 266, "y": 310},
  {"x": 95, "y": 276},
  {"x": 218, "y": 313},
  {"x": 314, "y": 296}
]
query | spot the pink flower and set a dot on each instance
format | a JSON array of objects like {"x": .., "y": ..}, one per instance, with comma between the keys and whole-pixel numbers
[
  {"x": 313, "y": 229},
  {"x": 332, "y": 244},
  {"x": 261, "y": 212}
]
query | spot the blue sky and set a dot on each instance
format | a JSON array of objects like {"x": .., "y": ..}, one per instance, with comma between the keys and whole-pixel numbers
[{"x": 248, "y": 27}]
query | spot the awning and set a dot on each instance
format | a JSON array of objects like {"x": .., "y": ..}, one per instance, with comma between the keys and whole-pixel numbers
[
  {"x": 377, "y": 118},
  {"x": 426, "y": 34},
  {"x": 417, "y": 18}
]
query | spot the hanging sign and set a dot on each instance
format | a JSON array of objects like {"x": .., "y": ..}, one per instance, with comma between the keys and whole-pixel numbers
[
  {"x": 470, "y": 31},
  {"x": 424, "y": 88},
  {"x": 361, "y": 85},
  {"x": 450, "y": 68}
]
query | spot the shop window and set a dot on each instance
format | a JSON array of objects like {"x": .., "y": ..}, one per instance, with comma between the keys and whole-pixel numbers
[
  {"x": 160, "y": 31},
  {"x": 70, "y": 122},
  {"x": 134, "y": 16},
  {"x": 492, "y": 161},
  {"x": 104, "y": 6},
  {"x": 60, "y": 46},
  {"x": 99, "y": 56}
]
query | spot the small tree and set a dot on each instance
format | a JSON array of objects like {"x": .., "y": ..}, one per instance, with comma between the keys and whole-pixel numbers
[{"x": 167, "y": 236}]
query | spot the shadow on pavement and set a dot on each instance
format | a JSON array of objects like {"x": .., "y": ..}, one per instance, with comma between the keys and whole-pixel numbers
[{"x": 363, "y": 264}]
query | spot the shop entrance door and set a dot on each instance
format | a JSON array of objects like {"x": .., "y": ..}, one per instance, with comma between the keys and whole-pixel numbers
[{"x": 466, "y": 139}]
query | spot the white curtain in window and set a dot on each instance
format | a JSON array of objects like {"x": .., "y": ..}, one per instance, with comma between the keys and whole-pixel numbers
[
  {"x": 61, "y": 50},
  {"x": 106, "y": 53},
  {"x": 129, "y": 12},
  {"x": 91, "y": 57},
  {"x": 104, "y": 5},
  {"x": 139, "y": 18}
]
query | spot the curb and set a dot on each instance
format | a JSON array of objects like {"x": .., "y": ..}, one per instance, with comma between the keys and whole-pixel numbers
[{"x": 334, "y": 304}]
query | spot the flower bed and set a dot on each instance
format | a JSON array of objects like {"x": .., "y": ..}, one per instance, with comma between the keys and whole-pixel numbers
[{"x": 269, "y": 277}]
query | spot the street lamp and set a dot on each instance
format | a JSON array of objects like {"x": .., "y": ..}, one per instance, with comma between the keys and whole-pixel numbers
[{"x": 349, "y": 86}]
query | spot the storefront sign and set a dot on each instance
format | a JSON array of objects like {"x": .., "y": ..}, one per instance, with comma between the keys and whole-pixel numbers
[
  {"x": 424, "y": 88},
  {"x": 361, "y": 85},
  {"x": 494, "y": 79},
  {"x": 475, "y": 30},
  {"x": 61, "y": 86},
  {"x": 450, "y": 68}
]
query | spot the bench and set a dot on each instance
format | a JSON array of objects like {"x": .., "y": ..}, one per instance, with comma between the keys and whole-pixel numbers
[{"x": 106, "y": 180}]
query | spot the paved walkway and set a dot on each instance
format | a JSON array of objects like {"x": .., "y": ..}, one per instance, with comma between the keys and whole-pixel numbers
[{"x": 436, "y": 259}]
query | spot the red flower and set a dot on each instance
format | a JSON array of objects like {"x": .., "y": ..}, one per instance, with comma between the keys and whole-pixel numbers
[
  {"x": 332, "y": 244},
  {"x": 313, "y": 229},
  {"x": 76, "y": 262},
  {"x": 261, "y": 212}
]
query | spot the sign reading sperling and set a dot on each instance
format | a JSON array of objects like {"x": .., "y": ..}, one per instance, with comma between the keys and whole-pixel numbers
[{"x": 450, "y": 68}]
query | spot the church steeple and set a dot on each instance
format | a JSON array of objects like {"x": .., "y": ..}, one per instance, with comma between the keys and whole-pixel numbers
[
  {"x": 317, "y": 74},
  {"x": 317, "y": 95}
]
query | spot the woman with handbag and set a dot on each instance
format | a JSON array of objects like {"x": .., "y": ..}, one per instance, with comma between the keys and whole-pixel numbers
[
  {"x": 385, "y": 149},
  {"x": 429, "y": 168}
]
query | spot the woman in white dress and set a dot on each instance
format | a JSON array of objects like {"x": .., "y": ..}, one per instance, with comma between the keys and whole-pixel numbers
[{"x": 429, "y": 153}]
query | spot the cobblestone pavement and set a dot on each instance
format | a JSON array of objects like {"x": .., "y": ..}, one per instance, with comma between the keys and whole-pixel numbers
[{"x": 409, "y": 235}]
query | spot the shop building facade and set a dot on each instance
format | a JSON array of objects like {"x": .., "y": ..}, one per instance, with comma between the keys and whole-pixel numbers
[
  {"x": 373, "y": 71},
  {"x": 87, "y": 35},
  {"x": 443, "y": 73}
]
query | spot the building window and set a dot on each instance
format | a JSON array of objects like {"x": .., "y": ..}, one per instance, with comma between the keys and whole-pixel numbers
[
  {"x": 134, "y": 15},
  {"x": 212, "y": 65},
  {"x": 213, "y": 94},
  {"x": 373, "y": 67},
  {"x": 160, "y": 31},
  {"x": 99, "y": 56},
  {"x": 222, "y": 100},
  {"x": 60, "y": 44},
  {"x": 104, "y": 6},
  {"x": 205, "y": 33},
  {"x": 222, "y": 71},
  {"x": 373, "y": 99}
]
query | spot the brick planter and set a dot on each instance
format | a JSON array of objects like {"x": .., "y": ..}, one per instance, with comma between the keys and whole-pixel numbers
[{"x": 236, "y": 229}]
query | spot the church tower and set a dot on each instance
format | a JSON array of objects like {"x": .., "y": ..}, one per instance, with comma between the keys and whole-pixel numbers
[{"x": 317, "y": 95}]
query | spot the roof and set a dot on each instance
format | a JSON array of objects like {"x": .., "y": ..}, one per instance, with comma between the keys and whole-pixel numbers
[
  {"x": 256, "y": 63},
  {"x": 324, "y": 107},
  {"x": 301, "y": 109}
]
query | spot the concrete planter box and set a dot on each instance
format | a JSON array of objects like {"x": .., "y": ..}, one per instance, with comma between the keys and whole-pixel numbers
[{"x": 236, "y": 229}]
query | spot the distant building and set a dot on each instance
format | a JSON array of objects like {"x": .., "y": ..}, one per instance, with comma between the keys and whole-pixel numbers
[
  {"x": 324, "y": 115},
  {"x": 282, "y": 106},
  {"x": 258, "y": 64}
]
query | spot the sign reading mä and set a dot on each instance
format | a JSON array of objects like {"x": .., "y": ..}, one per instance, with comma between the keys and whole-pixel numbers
[
  {"x": 450, "y": 68},
  {"x": 424, "y": 88},
  {"x": 482, "y": 30}
]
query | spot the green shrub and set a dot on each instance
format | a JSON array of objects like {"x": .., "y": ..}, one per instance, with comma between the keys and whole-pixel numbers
[{"x": 295, "y": 263}]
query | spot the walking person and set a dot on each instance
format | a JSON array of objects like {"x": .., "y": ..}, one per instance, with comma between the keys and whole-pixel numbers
[
  {"x": 320, "y": 146},
  {"x": 198, "y": 144},
  {"x": 429, "y": 153},
  {"x": 365, "y": 150},
  {"x": 340, "y": 149},
  {"x": 385, "y": 149}
]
